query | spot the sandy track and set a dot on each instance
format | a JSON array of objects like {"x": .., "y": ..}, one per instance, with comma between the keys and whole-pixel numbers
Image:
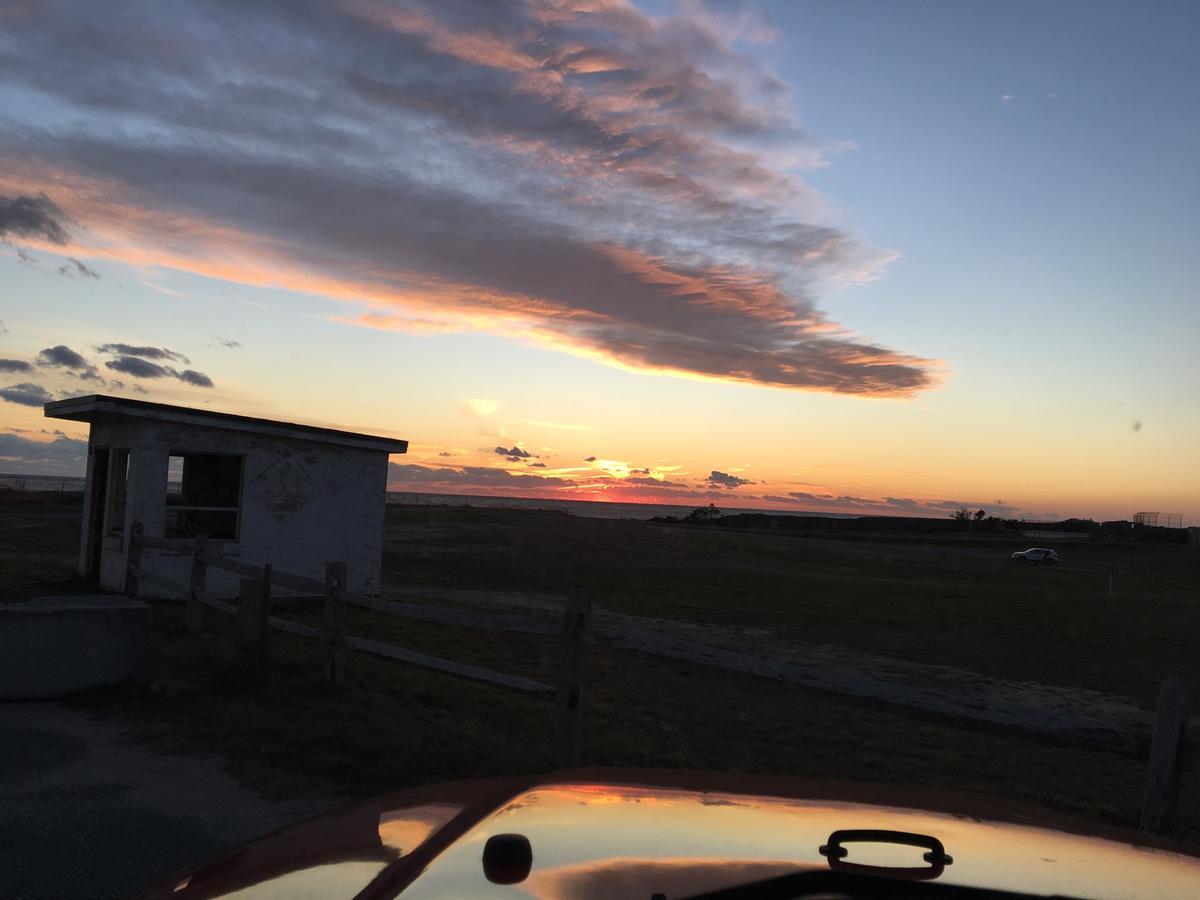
[{"x": 1072, "y": 714}]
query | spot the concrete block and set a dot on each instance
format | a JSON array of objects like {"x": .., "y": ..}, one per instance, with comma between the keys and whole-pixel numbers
[{"x": 54, "y": 646}]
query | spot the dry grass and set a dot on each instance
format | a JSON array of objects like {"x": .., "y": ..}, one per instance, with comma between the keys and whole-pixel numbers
[
  {"x": 392, "y": 726},
  {"x": 935, "y": 602},
  {"x": 39, "y": 544}
]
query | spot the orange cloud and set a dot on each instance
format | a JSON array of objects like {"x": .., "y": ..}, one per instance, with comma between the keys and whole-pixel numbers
[{"x": 478, "y": 175}]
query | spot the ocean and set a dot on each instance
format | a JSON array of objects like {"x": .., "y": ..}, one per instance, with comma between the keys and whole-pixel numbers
[
  {"x": 41, "y": 482},
  {"x": 593, "y": 509}
]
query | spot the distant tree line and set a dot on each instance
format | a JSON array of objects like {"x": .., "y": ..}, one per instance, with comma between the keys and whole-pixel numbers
[{"x": 976, "y": 522}]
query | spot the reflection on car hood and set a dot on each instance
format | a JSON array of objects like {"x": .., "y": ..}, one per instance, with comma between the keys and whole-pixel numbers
[{"x": 610, "y": 833}]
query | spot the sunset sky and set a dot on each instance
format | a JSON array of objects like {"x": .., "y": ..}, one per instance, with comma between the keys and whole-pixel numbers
[{"x": 892, "y": 257}]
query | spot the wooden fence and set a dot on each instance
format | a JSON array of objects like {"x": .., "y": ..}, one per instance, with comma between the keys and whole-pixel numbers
[
  {"x": 1172, "y": 752},
  {"x": 256, "y": 593}
]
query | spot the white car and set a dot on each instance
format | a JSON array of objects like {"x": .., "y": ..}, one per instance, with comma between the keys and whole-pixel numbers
[{"x": 1036, "y": 555}]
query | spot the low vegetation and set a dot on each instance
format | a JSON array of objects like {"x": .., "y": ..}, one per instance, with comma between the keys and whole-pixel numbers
[{"x": 392, "y": 726}]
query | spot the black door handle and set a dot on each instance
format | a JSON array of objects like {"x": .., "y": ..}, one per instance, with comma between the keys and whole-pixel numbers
[{"x": 834, "y": 850}]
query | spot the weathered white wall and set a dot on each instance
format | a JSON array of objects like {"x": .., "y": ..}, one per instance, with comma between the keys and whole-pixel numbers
[
  {"x": 303, "y": 504},
  {"x": 85, "y": 528}
]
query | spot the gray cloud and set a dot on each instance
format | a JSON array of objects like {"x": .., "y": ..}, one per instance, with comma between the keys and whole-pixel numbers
[
  {"x": 74, "y": 267},
  {"x": 26, "y": 394},
  {"x": 138, "y": 368},
  {"x": 15, "y": 365},
  {"x": 537, "y": 465},
  {"x": 725, "y": 480},
  {"x": 141, "y": 368},
  {"x": 229, "y": 343},
  {"x": 895, "y": 505},
  {"x": 191, "y": 376},
  {"x": 513, "y": 453},
  {"x": 63, "y": 454},
  {"x": 468, "y": 476},
  {"x": 619, "y": 184},
  {"x": 994, "y": 508},
  {"x": 590, "y": 459},
  {"x": 32, "y": 216},
  {"x": 3, "y": 327},
  {"x": 62, "y": 357},
  {"x": 161, "y": 353}
]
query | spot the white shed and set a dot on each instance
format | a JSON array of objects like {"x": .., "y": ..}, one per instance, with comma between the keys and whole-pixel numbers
[{"x": 260, "y": 491}]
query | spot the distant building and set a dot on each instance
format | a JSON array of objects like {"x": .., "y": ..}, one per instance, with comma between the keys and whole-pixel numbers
[
  {"x": 1161, "y": 519},
  {"x": 260, "y": 491}
]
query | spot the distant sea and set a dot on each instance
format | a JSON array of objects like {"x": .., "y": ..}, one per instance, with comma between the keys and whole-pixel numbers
[
  {"x": 593, "y": 509},
  {"x": 41, "y": 482}
]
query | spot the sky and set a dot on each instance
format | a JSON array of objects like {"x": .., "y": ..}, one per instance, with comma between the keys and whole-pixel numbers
[{"x": 845, "y": 257}]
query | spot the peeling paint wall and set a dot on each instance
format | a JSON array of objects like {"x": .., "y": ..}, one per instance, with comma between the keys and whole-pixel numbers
[{"x": 303, "y": 504}]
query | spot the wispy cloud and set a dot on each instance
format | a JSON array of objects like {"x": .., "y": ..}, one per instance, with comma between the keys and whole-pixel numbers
[
  {"x": 36, "y": 216},
  {"x": 61, "y": 356},
  {"x": 160, "y": 289},
  {"x": 610, "y": 183},
  {"x": 141, "y": 368},
  {"x": 481, "y": 407},
  {"x": 157, "y": 353},
  {"x": 725, "y": 480},
  {"x": 26, "y": 394},
  {"x": 561, "y": 426},
  {"x": 469, "y": 477},
  {"x": 73, "y": 267},
  {"x": 61, "y": 455},
  {"x": 513, "y": 453},
  {"x": 891, "y": 505},
  {"x": 146, "y": 361}
]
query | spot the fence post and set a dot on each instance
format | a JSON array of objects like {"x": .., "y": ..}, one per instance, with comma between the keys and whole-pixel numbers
[
  {"x": 1166, "y": 756},
  {"x": 133, "y": 560},
  {"x": 195, "y": 604},
  {"x": 264, "y": 613},
  {"x": 333, "y": 634},
  {"x": 252, "y": 621},
  {"x": 572, "y": 675}
]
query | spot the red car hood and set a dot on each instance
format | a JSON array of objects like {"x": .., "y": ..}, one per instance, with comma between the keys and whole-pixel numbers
[{"x": 628, "y": 832}]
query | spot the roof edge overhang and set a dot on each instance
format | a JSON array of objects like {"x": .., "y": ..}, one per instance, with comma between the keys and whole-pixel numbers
[{"x": 99, "y": 406}]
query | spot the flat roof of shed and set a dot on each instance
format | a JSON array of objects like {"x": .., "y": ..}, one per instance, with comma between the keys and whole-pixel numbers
[{"x": 99, "y": 406}]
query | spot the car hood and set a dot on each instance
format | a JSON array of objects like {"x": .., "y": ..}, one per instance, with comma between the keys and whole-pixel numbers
[{"x": 608, "y": 833}]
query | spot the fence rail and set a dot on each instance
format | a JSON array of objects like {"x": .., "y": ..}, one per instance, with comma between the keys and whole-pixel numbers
[
  {"x": 1172, "y": 751},
  {"x": 56, "y": 483},
  {"x": 1127, "y": 736},
  {"x": 255, "y": 597}
]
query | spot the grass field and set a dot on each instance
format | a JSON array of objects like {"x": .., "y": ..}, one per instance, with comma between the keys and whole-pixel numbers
[
  {"x": 953, "y": 603},
  {"x": 392, "y": 726}
]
